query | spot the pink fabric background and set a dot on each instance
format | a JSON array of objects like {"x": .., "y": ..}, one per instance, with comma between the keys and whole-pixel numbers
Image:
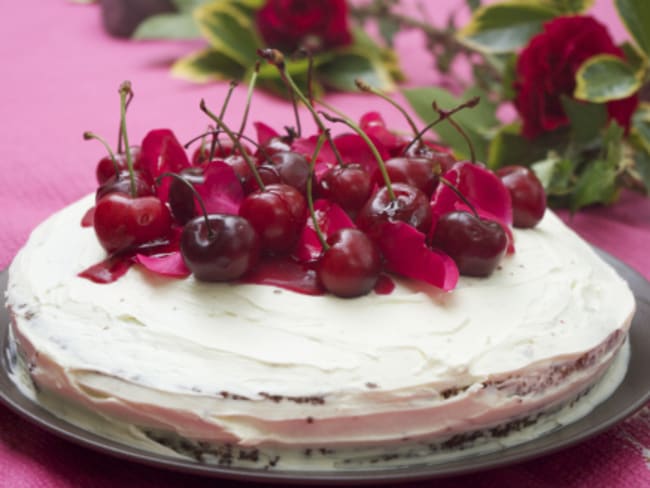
[{"x": 59, "y": 78}]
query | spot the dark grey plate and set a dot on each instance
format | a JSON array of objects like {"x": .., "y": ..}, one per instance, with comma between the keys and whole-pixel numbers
[{"x": 632, "y": 394}]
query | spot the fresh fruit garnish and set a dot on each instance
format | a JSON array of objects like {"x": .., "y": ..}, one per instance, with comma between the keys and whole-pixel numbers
[
  {"x": 527, "y": 194},
  {"x": 348, "y": 186},
  {"x": 476, "y": 245}
]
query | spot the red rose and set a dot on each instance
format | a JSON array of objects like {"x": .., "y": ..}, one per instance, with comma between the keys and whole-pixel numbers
[
  {"x": 546, "y": 69},
  {"x": 290, "y": 24}
]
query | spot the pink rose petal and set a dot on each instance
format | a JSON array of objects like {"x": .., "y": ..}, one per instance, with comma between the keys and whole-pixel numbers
[
  {"x": 373, "y": 124},
  {"x": 107, "y": 271},
  {"x": 354, "y": 149},
  {"x": 171, "y": 265},
  {"x": 222, "y": 191},
  {"x": 286, "y": 273},
  {"x": 407, "y": 254},
  {"x": 264, "y": 133},
  {"x": 88, "y": 220},
  {"x": 160, "y": 153}
]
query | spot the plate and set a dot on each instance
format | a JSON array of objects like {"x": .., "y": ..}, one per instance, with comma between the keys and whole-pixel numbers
[{"x": 630, "y": 396}]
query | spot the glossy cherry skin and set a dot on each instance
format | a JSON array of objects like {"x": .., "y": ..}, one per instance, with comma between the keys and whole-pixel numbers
[
  {"x": 181, "y": 197},
  {"x": 277, "y": 214},
  {"x": 410, "y": 205},
  {"x": 223, "y": 148},
  {"x": 527, "y": 194},
  {"x": 293, "y": 168},
  {"x": 225, "y": 251},
  {"x": 274, "y": 145},
  {"x": 422, "y": 173},
  {"x": 105, "y": 169},
  {"x": 269, "y": 175},
  {"x": 351, "y": 265},
  {"x": 122, "y": 222},
  {"x": 476, "y": 245},
  {"x": 348, "y": 186},
  {"x": 122, "y": 184}
]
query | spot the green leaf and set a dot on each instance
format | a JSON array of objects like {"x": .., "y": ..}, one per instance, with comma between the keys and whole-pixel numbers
[
  {"x": 229, "y": 27},
  {"x": 586, "y": 119},
  {"x": 642, "y": 167},
  {"x": 344, "y": 68},
  {"x": 505, "y": 27},
  {"x": 596, "y": 184},
  {"x": 208, "y": 65},
  {"x": 556, "y": 174},
  {"x": 477, "y": 122},
  {"x": 605, "y": 77},
  {"x": 187, "y": 6},
  {"x": 509, "y": 147},
  {"x": 388, "y": 27},
  {"x": 473, "y": 4},
  {"x": 168, "y": 26},
  {"x": 636, "y": 17},
  {"x": 641, "y": 125},
  {"x": 567, "y": 7},
  {"x": 637, "y": 60}
]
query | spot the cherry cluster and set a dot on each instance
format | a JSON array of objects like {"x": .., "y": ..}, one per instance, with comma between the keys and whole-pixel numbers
[{"x": 314, "y": 214}]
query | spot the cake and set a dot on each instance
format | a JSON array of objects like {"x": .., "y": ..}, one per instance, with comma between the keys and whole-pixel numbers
[{"x": 260, "y": 376}]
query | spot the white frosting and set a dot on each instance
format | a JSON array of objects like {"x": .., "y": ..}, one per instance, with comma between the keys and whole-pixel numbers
[{"x": 372, "y": 369}]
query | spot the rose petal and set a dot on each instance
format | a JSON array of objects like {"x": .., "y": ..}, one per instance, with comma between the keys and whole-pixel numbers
[
  {"x": 264, "y": 133},
  {"x": 286, "y": 273},
  {"x": 306, "y": 146},
  {"x": 171, "y": 264},
  {"x": 222, "y": 191},
  {"x": 373, "y": 124},
  {"x": 88, "y": 220},
  {"x": 407, "y": 254},
  {"x": 108, "y": 270},
  {"x": 331, "y": 218},
  {"x": 354, "y": 149},
  {"x": 160, "y": 153}
]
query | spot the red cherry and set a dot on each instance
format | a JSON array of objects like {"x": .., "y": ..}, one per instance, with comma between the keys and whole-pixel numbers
[
  {"x": 527, "y": 194},
  {"x": 269, "y": 175},
  {"x": 277, "y": 214},
  {"x": 351, "y": 265},
  {"x": 293, "y": 169},
  {"x": 410, "y": 206},
  {"x": 106, "y": 169},
  {"x": 476, "y": 245},
  {"x": 123, "y": 222},
  {"x": 224, "y": 147},
  {"x": 242, "y": 170},
  {"x": 181, "y": 197},
  {"x": 226, "y": 250},
  {"x": 122, "y": 184},
  {"x": 348, "y": 186},
  {"x": 419, "y": 172},
  {"x": 274, "y": 145}
]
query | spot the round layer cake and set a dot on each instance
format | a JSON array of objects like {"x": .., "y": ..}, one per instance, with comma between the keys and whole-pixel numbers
[{"x": 280, "y": 378}]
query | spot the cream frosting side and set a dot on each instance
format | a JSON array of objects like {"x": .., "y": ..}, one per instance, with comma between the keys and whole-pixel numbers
[{"x": 166, "y": 352}]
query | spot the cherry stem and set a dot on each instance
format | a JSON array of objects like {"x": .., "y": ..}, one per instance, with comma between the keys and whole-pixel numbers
[
  {"x": 119, "y": 134},
  {"x": 446, "y": 114},
  {"x": 91, "y": 135},
  {"x": 236, "y": 142},
  {"x": 276, "y": 58},
  {"x": 310, "y": 197},
  {"x": 460, "y": 195},
  {"x": 125, "y": 93},
  {"x": 196, "y": 194},
  {"x": 216, "y": 132},
  {"x": 249, "y": 96},
  {"x": 365, "y": 87},
  {"x": 371, "y": 145}
]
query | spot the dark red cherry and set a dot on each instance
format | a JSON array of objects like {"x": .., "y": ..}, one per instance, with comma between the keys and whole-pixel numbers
[
  {"x": 419, "y": 172},
  {"x": 181, "y": 197},
  {"x": 277, "y": 214},
  {"x": 527, "y": 194},
  {"x": 224, "y": 147},
  {"x": 122, "y": 184},
  {"x": 476, "y": 245},
  {"x": 274, "y": 145},
  {"x": 410, "y": 205},
  {"x": 226, "y": 250},
  {"x": 106, "y": 170},
  {"x": 122, "y": 222},
  {"x": 348, "y": 186},
  {"x": 293, "y": 169},
  {"x": 269, "y": 175},
  {"x": 351, "y": 265},
  {"x": 242, "y": 170}
]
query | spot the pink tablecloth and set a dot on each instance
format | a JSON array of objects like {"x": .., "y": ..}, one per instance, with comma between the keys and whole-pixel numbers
[{"x": 60, "y": 77}]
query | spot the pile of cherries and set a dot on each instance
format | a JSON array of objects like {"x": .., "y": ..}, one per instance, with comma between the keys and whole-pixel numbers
[{"x": 338, "y": 213}]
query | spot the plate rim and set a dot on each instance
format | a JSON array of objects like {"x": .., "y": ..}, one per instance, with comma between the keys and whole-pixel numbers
[{"x": 581, "y": 430}]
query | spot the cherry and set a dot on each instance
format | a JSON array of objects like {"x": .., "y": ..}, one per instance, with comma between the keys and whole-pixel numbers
[
  {"x": 348, "y": 186},
  {"x": 219, "y": 247},
  {"x": 527, "y": 194},
  {"x": 181, "y": 197},
  {"x": 122, "y": 222},
  {"x": 277, "y": 214},
  {"x": 293, "y": 169},
  {"x": 476, "y": 245},
  {"x": 419, "y": 172},
  {"x": 410, "y": 205},
  {"x": 274, "y": 145},
  {"x": 351, "y": 265},
  {"x": 106, "y": 169},
  {"x": 121, "y": 183}
]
